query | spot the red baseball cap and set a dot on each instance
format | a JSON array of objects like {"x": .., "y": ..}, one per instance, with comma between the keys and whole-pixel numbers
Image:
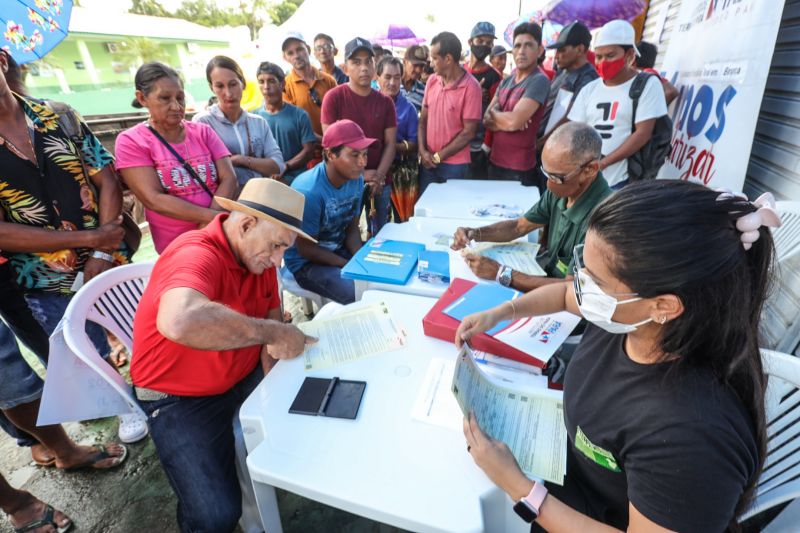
[{"x": 348, "y": 133}]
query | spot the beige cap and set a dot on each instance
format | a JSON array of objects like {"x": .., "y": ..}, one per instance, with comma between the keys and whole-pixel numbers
[{"x": 270, "y": 200}]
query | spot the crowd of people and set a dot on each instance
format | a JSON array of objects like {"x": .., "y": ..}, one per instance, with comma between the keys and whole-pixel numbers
[{"x": 671, "y": 314}]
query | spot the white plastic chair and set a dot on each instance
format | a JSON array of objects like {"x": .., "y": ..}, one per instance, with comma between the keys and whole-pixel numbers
[
  {"x": 787, "y": 237},
  {"x": 780, "y": 480},
  {"x": 290, "y": 285},
  {"x": 109, "y": 300}
]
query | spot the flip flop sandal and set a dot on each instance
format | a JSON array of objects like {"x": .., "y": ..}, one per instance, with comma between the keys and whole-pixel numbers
[
  {"x": 47, "y": 519},
  {"x": 101, "y": 455},
  {"x": 118, "y": 356},
  {"x": 45, "y": 464}
]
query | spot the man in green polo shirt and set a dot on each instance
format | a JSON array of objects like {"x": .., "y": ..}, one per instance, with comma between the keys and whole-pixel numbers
[{"x": 570, "y": 160}]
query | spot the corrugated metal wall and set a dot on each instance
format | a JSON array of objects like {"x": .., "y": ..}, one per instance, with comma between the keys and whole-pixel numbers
[
  {"x": 661, "y": 17},
  {"x": 775, "y": 159}
]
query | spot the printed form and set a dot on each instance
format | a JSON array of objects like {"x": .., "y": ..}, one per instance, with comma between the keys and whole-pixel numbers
[
  {"x": 520, "y": 256},
  {"x": 351, "y": 335},
  {"x": 529, "y": 421}
]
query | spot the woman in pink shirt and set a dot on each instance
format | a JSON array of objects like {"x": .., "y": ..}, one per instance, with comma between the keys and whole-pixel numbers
[{"x": 174, "y": 167}]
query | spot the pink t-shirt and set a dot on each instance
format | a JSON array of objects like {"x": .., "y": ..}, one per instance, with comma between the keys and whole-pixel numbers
[
  {"x": 448, "y": 108},
  {"x": 138, "y": 147}
]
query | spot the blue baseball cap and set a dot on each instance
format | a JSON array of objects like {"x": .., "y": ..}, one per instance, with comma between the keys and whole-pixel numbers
[{"x": 483, "y": 28}]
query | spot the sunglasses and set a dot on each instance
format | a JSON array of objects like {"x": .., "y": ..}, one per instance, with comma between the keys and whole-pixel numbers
[
  {"x": 315, "y": 97},
  {"x": 561, "y": 178}
]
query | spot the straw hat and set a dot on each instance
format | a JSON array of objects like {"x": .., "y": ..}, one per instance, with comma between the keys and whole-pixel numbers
[{"x": 271, "y": 200}]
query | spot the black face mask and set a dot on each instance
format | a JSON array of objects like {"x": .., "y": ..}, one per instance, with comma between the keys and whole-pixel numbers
[{"x": 480, "y": 52}]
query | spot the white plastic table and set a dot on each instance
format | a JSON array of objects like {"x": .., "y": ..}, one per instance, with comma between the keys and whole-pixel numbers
[
  {"x": 384, "y": 465},
  {"x": 455, "y": 198},
  {"x": 430, "y": 231}
]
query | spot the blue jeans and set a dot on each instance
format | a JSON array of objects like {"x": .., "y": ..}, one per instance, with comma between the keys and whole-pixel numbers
[
  {"x": 440, "y": 174},
  {"x": 327, "y": 280},
  {"x": 48, "y": 309},
  {"x": 618, "y": 186},
  {"x": 383, "y": 207},
  {"x": 19, "y": 384},
  {"x": 525, "y": 177},
  {"x": 193, "y": 436}
]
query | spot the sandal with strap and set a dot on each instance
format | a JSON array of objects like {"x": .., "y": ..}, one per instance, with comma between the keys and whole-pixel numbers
[
  {"x": 101, "y": 455},
  {"x": 47, "y": 519}
]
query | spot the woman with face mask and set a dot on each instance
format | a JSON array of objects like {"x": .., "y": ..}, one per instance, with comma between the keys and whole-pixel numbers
[
  {"x": 664, "y": 397},
  {"x": 174, "y": 167},
  {"x": 255, "y": 152}
]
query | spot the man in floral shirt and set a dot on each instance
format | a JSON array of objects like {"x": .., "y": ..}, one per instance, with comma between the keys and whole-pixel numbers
[{"x": 60, "y": 206}]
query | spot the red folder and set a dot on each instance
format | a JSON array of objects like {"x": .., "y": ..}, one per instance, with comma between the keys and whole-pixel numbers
[{"x": 439, "y": 325}]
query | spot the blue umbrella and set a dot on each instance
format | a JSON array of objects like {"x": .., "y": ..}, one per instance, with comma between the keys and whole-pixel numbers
[{"x": 31, "y": 28}]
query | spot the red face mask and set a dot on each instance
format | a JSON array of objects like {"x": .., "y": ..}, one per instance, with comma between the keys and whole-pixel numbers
[{"x": 609, "y": 69}]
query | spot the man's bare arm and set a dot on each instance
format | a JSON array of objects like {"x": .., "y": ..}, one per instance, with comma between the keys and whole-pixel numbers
[{"x": 188, "y": 317}]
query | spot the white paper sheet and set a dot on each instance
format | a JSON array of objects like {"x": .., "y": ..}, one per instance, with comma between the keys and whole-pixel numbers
[
  {"x": 530, "y": 422},
  {"x": 539, "y": 336},
  {"x": 520, "y": 256},
  {"x": 350, "y": 335},
  {"x": 78, "y": 390},
  {"x": 559, "y": 111},
  {"x": 435, "y": 404}
]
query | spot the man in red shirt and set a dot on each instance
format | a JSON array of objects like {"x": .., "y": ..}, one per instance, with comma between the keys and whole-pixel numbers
[
  {"x": 374, "y": 113},
  {"x": 516, "y": 111},
  {"x": 451, "y": 111},
  {"x": 209, "y": 315}
]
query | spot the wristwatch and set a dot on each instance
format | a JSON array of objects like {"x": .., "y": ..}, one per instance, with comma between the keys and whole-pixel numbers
[
  {"x": 103, "y": 256},
  {"x": 528, "y": 507},
  {"x": 504, "y": 275},
  {"x": 437, "y": 158}
]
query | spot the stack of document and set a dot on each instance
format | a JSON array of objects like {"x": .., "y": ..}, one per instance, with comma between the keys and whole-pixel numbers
[
  {"x": 520, "y": 256},
  {"x": 384, "y": 261},
  {"x": 509, "y": 408},
  {"x": 538, "y": 336},
  {"x": 355, "y": 332}
]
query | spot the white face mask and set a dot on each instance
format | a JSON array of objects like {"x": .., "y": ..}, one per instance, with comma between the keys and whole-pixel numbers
[{"x": 598, "y": 307}]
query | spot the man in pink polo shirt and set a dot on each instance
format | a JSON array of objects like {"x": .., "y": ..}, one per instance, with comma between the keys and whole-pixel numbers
[{"x": 451, "y": 111}]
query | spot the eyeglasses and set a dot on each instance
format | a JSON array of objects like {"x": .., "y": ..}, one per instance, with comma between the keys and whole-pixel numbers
[
  {"x": 315, "y": 97},
  {"x": 324, "y": 48},
  {"x": 577, "y": 266},
  {"x": 561, "y": 178}
]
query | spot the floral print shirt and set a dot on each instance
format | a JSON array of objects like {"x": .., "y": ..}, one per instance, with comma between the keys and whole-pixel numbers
[{"x": 52, "y": 193}]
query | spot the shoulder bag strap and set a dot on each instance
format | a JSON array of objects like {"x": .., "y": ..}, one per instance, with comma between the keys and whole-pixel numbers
[{"x": 182, "y": 161}]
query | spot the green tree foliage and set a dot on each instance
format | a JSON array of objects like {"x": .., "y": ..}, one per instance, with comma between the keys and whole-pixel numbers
[
  {"x": 139, "y": 50},
  {"x": 206, "y": 13},
  {"x": 148, "y": 7}
]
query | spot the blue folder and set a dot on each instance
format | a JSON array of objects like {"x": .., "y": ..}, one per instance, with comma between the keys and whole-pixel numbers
[
  {"x": 384, "y": 261},
  {"x": 481, "y": 297},
  {"x": 434, "y": 266}
]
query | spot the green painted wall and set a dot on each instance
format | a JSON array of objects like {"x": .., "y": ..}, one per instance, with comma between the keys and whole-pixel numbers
[{"x": 114, "y": 89}]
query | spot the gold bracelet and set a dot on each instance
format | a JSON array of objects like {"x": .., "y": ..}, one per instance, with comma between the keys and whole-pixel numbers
[
  {"x": 513, "y": 310},
  {"x": 405, "y": 145}
]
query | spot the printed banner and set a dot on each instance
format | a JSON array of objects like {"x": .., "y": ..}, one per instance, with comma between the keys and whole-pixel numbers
[{"x": 718, "y": 57}]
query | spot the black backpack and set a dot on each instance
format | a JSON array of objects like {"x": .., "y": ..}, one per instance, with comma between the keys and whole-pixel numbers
[{"x": 645, "y": 164}]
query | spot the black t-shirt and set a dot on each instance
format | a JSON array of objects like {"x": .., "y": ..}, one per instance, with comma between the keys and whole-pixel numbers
[{"x": 673, "y": 441}]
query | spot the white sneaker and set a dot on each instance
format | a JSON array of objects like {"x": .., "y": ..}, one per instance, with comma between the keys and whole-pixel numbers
[{"x": 132, "y": 427}]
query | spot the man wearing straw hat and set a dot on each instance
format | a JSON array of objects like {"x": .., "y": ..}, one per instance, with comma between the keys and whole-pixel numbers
[{"x": 209, "y": 315}]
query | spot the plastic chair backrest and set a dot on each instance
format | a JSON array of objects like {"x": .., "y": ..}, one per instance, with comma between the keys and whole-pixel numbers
[
  {"x": 787, "y": 237},
  {"x": 110, "y": 300},
  {"x": 780, "y": 479},
  {"x": 780, "y": 319}
]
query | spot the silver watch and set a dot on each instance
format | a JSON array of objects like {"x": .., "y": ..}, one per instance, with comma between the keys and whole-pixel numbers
[
  {"x": 103, "y": 256},
  {"x": 504, "y": 275}
]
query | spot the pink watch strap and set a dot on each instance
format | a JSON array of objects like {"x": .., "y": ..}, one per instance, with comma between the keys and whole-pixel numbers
[{"x": 536, "y": 496}]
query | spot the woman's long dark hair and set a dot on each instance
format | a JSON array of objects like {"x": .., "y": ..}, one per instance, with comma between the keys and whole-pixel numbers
[{"x": 676, "y": 237}]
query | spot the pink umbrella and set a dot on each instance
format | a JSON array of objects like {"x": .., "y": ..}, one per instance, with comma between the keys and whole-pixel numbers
[{"x": 397, "y": 35}]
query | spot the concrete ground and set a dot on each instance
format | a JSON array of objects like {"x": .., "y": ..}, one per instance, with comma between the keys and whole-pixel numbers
[{"x": 136, "y": 496}]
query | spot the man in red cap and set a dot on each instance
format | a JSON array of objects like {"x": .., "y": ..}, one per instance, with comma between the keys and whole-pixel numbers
[{"x": 333, "y": 202}]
